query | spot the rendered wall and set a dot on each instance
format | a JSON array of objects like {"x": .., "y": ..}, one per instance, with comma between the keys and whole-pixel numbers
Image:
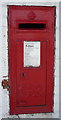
[{"x": 60, "y": 59}]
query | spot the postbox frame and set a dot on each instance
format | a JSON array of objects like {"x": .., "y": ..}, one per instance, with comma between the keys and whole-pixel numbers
[{"x": 13, "y": 108}]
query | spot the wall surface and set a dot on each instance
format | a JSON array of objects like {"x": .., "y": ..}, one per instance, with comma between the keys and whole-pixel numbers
[
  {"x": 4, "y": 101},
  {"x": 60, "y": 59}
]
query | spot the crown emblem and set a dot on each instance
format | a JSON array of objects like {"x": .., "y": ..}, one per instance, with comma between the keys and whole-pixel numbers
[{"x": 31, "y": 15}]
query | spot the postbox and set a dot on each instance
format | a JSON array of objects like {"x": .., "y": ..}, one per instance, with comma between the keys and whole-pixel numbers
[{"x": 31, "y": 59}]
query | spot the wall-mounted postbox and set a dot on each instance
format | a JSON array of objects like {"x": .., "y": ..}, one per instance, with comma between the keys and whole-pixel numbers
[{"x": 31, "y": 59}]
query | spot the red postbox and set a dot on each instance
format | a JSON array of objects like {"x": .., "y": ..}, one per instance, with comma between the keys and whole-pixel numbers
[{"x": 31, "y": 59}]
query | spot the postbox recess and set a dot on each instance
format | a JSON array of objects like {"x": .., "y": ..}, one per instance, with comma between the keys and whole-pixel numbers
[{"x": 31, "y": 63}]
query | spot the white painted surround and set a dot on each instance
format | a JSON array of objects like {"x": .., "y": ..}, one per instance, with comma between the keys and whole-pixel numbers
[{"x": 4, "y": 94}]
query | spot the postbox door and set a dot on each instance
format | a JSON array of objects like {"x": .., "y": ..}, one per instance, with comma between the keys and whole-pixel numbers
[
  {"x": 31, "y": 80},
  {"x": 31, "y": 59}
]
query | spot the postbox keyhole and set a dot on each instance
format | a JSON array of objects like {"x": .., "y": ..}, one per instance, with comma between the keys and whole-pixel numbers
[{"x": 22, "y": 74}]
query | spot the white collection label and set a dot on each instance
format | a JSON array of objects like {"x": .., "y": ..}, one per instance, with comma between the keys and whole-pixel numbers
[{"x": 31, "y": 54}]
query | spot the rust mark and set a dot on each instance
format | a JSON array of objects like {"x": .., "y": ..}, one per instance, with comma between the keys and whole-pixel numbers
[{"x": 5, "y": 84}]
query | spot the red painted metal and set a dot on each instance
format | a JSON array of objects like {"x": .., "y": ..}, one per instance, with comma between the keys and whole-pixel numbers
[{"x": 32, "y": 93}]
